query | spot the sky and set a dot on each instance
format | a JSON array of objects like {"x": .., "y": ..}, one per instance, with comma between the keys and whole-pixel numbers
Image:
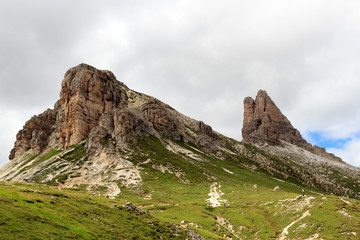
[{"x": 201, "y": 57}]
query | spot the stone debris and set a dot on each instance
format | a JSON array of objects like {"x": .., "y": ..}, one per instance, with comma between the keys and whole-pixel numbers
[
  {"x": 215, "y": 194},
  {"x": 134, "y": 209}
]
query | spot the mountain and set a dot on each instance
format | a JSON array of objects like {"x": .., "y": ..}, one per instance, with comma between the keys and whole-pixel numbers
[
  {"x": 264, "y": 122},
  {"x": 114, "y": 142}
]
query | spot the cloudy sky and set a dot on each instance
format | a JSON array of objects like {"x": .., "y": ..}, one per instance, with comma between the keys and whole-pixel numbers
[{"x": 200, "y": 56}]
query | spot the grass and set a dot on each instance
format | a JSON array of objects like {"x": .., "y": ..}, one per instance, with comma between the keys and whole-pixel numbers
[
  {"x": 173, "y": 201},
  {"x": 38, "y": 212},
  {"x": 38, "y": 159},
  {"x": 251, "y": 212},
  {"x": 77, "y": 153}
]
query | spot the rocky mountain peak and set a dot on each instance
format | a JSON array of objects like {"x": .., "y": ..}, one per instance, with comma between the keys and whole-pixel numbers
[
  {"x": 86, "y": 94},
  {"x": 264, "y": 122},
  {"x": 94, "y": 106}
]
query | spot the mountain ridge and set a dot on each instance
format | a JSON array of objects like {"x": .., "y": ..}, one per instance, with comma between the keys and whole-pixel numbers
[
  {"x": 130, "y": 147},
  {"x": 103, "y": 117}
]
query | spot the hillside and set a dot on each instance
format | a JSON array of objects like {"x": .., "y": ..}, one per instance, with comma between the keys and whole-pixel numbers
[
  {"x": 123, "y": 146},
  {"x": 253, "y": 209}
]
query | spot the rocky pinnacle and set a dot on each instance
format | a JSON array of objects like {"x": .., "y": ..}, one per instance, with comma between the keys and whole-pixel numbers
[{"x": 264, "y": 123}]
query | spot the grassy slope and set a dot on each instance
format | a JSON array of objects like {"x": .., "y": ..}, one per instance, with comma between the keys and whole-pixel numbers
[
  {"x": 251, "y": 213},
  {"x": 38, "y": 212}
]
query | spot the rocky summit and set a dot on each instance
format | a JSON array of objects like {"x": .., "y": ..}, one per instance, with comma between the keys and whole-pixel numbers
[
  {"x": 94, "y": 105},
  {"x": 86, "y": 94},
  {"x": 264, "y": 122},
  {"x": 135, "y": 154}
]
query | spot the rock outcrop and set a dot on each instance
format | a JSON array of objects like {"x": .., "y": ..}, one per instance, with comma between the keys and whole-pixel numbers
[
  {"x": 95, "y": 107},
  {"x": 162, "y": 119},
  {"x": 264, "y": 123},
  {"x": 117, "y": 127},
  {"x": 86, "y": 94},
  {"x": 35, "y": 134},
  {"x": 207, "y": 130}
]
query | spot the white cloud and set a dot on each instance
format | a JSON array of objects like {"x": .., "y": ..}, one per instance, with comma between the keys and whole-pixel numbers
[
  {"x": 350, "y": 153},
  {"x": 201, "y": 57},
  {"x": 11, "y": 122}
]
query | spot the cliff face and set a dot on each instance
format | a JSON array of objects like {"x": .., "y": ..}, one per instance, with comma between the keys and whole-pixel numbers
[
  {"x": 94, "y": 106},
  {"x": 86, "y": 94},
  {"x": 264, "y": 122},
  {"x": 35, "y": 134}
]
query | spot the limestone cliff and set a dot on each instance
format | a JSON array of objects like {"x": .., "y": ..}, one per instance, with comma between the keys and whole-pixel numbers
[
  {"x": 264, "y": 122},
  {"x": 96, "y": 107},
  {"x": 35, "y": 134},
  {"x": 86, "y": 94}
]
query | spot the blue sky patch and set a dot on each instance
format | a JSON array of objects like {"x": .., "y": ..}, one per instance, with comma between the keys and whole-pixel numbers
[{"x": 317, "y": 138}]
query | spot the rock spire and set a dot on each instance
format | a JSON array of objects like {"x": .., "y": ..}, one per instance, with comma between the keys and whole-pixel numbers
[{"x": 264, "y": 123}]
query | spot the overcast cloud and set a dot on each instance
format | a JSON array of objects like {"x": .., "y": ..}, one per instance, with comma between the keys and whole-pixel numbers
[{"x": 201, "y": 57}]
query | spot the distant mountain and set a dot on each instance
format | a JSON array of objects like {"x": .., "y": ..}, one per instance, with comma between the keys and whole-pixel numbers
[{"x": 115, "y": 142}]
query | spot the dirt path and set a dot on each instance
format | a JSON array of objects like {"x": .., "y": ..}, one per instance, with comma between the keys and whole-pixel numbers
[
  {"x": 227, "y": 225},
  {"x": 285, "y": 231}
]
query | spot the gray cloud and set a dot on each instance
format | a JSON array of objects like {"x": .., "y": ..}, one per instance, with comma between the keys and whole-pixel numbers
[{"x": 201, "y": 57}]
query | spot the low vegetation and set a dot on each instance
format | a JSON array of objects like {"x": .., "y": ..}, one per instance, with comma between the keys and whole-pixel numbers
[
  {"x": 177, "y": 185},
  {"x": 38, "y": 212}
]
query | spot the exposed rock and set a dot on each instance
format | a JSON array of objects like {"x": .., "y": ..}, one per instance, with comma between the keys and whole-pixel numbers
[
  {"x": 207, "y": 130},
  {"x": 322, "y": 152},
  {"x": 162, "y": 119},
  {"x": 120, "y": 125},
  {"x": 193, "y": 235},
  {"x": 85, "y": 95},
  {"x": 136, "y": 210},
  {"x": 264, "y": 122},
  {"x": 207, "y": 138},
  {"x": 35, "y": 134},
  {"x": 129, "y": 124},
  {"x": 95, "y": 107}
]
